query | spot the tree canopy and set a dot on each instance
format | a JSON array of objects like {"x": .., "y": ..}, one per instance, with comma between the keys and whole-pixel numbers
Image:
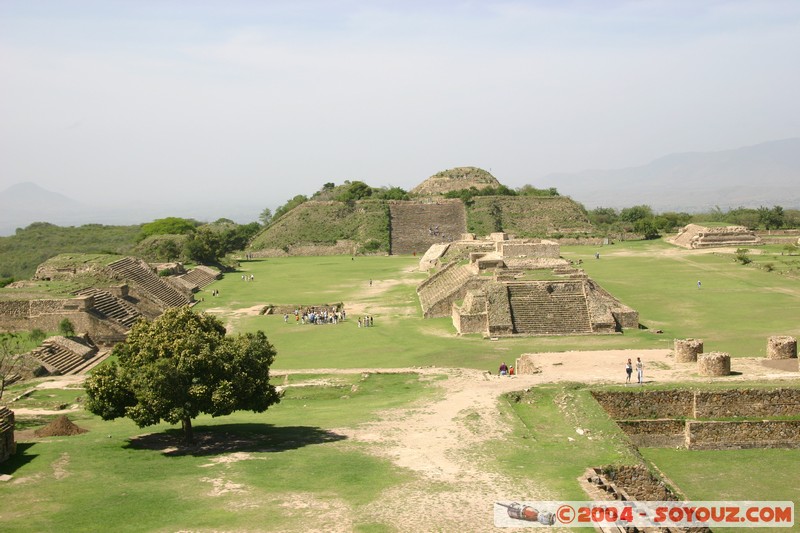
[{"x": 181, "y": 365}]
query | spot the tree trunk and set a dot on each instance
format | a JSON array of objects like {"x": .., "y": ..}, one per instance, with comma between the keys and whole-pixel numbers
[{"x": 188, "y": 435}]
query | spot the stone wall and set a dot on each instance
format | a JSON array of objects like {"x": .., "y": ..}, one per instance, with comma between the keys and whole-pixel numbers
[
  {"x": 47, "y": 315},
  {"x": 529, "y": 248},
  {"x": 685, "y": 403},
  {"x": 638, "y": 483},
  {"x": 666, "y": 433},
  {"x": 647, "y": 404},
  {"x": 746, "y": 403},
  {"x": 735, "y": 435},
  {"x": 670, "y": 417},
  {"x": 7, "y": 444}
]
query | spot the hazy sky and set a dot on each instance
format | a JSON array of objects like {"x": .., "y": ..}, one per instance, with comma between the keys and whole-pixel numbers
[{"x": 255, "y": 101}]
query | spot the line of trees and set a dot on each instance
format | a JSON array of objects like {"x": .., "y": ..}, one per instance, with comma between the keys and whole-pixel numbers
[{"x": 641, "y": 219}]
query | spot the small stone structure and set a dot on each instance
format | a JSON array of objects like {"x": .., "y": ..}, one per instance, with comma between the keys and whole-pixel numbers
[
  {"x": 714, "y": 364},
  {"x": 781, "y": 347},
  {"x": 7, "y": 444},
  {"x": 687, "y": 350},
  {"x": 695, "y": 236}
]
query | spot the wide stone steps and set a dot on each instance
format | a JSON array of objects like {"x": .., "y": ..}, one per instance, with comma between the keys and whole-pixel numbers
[
  {"x": 200, "y": 276},
  {"x": 443, "y": 284},
  {"x": 536, "y": 311},
  {"x": 149, "y": 281},
  {"x": 57, "y": 357},
  {"x": 112, "y": 308},
  {"x": 417, "y": 226}
]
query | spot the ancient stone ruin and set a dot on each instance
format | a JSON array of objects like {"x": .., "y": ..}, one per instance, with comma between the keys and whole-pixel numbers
[
  {"x": 687, "y": 350},
  {"x": 695, "y": 236},
  {"x": 7, "y": 444},
  {"x": 781, "y": 347},
  {"x": 714, "y": 364},
  {"x": 455, "y": 179},
  {"x": 415, "y": 226},
  {"x": 499, "y": 295},
  {"x": 64, "y": 356},
  {"x": 686, "y": 418}
]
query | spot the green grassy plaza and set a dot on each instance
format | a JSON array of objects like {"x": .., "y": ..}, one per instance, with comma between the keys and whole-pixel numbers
[{"x": 330, "y": 457}]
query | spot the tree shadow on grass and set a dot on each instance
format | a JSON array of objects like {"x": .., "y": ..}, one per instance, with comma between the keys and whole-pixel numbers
[
  {"x": 19, "y": 459},
  {"x": 228, "y": 438}
]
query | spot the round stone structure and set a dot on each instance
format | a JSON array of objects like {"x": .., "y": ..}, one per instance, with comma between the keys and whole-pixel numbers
[
  {"x": 686, "y": 350},
  {"x": 714, "y": 364},
  {"x": 781, "y": 347}
]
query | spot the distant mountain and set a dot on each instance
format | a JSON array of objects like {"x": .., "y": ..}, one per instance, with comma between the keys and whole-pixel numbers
[
  {"x": 765, "y": 174},
  {"x": 24, "y": 203}
]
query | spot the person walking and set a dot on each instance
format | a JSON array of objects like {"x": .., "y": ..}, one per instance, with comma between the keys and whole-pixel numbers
[
  {"x": 628, "y": 371},
  {"x": 639, "y": 370}
]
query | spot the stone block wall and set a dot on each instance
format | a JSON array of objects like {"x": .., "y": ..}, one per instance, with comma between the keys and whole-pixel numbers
[
  {"x": 736, "y": 435},
  {"x": 667, "y": 433},
  {"x": 647, "y": 404},
  {"x": 746, "y": 403},
  {"x": 538, "y": 249},
  {"x": 625, "y": 408}
]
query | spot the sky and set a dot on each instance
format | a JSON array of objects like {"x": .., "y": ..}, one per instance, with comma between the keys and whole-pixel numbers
[{"x": 253, "y": 102}]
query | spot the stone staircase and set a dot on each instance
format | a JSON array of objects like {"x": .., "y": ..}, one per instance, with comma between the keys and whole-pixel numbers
[
  {"x": 438, "y": 292},
  {"x": 109, "y": 307},
  {"x": 416, "y": 226},
  {"x": 148, "y": 281},
  {"x": 200, "y": 276},
  {"x": 63, "y": 356},
  {"x": 549, "y": 308}
]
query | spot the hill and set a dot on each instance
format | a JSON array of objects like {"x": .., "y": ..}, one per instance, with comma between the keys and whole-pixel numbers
[
  {"x": 765, "y": 174},
  {"x": 365, "y": 222},
  {"x": 455, "y": 179},
  {"x": 21, "y": 253}
]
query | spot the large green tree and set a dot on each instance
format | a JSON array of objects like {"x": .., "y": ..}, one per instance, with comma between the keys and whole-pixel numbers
[{"x": 179, "y": 366}]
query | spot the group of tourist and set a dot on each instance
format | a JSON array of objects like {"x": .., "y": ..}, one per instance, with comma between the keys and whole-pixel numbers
[
  {"x": 315, "y": 315},
  {"x": 365, "y": 321},
  {"x": 639, "y": 371},
  {"x": 245, "y": 277}
]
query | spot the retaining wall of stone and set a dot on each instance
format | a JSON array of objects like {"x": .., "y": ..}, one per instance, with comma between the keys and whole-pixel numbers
[
  {"x": 748, "y": 434},
  {"x": 699, "y": 404},
  {"x": 667, "y": 433},
  {"x": 647, "y": 404}
]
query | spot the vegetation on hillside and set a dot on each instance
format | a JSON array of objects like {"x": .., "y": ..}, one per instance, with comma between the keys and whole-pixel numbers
[
  {"x": 467, "y": 195},
  {"x": 527, "y": 216},
  {"x": 22, "y": 252},
  {"x": 365, "y": 222}
]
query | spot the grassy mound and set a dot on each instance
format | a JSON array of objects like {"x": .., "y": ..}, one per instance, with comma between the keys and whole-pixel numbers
[
  {"x": 527, "y": 216},
  {"x": 455, "y": 179},
  {"x": 365, "y": 222}
]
